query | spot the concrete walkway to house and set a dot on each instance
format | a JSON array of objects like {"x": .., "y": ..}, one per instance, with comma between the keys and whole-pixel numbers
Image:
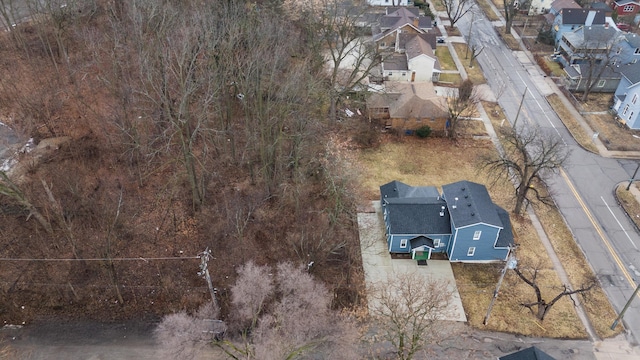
[{"x": 378, "y": 265}]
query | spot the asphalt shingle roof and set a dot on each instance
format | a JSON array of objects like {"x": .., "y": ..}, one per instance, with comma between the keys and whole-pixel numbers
[
  {"x": 398, "y": 189},
  {"x": 631, "y": 72},
  {"x": 505, "y": 238},
  {"x": 579, "y": 16},
  {"x": 473, "y": 204},
  {"x": 532, "y": 353},
  {"x": 418, "y": 216},
  {"x": 421, "y": 241}
]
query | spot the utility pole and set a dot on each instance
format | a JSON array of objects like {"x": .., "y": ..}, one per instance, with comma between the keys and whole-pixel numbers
[
  {"x": 520, "y": 107},
  {"x": 633, "y": 177},
  {"x": 626, "y": 306},
  {"x": 473, "y": 16},
  {"x": 204, "y": 272},
  {"x": 511, "y": 264}
]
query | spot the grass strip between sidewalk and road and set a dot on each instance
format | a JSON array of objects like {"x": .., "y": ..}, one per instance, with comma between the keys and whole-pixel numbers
[
  {"x": 571, "y": 123},
  {"x": 596, "y": 304}
]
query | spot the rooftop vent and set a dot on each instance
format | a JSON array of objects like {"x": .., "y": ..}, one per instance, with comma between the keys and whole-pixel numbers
[{"x": 473, "y": 214}]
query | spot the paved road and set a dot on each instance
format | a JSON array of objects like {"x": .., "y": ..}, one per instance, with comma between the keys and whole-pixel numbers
[{"x": 584, "y": 189}]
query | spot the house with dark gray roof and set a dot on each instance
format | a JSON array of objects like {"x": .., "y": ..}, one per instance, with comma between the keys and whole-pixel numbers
[
  {"x": 570, "y": 19},
  {"x": 627, "y": 96},
  {"x": 530, "y": 353},
  {"x": 462, "y": 222}
]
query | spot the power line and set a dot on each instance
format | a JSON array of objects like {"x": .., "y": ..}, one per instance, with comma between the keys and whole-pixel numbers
[{"x": 106, "y": 259}]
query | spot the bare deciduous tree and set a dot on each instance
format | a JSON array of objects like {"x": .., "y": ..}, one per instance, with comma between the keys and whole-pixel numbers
[
  {"x": 461, "y": 102},
  {"x": 350, "y": 56},
  {"x": 10, "y": 189},
  {"x": 250, "y": 293},
  {"x": 456, "y": 9},
  {"x": 183, "y": 336},
  {"x": 529, "y": 154},
  {"x": 598, "y": 59},
  {"x": 541, "y": 305},
  {"x": 408, "y": 308},
  {"x": 299, "y": 320}
]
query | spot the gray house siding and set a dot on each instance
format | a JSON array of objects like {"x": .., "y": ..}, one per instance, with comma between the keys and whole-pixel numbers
[{"x": 627, "y": 96}]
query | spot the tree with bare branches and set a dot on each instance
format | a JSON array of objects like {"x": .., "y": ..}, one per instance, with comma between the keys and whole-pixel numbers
[
  {"x": 350, "y": 56},
  {"x": 290, "y": 316},
  {"x": 461, "y": 102},
  {"x": 456, "y": 9},
  {"x": 529, "y": 154},
  {"x": 407, "y": 308},
  {"x": 541, "y": 305},
  {"x": 184, "y": 336},
  {"x": 510, "y": 11},
  {"x": 598, "y": 59}
]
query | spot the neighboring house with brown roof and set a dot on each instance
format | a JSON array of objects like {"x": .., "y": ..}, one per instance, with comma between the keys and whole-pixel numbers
[
  {"x": 386, "y": 33},
  {"x": 409, "y": 106}
]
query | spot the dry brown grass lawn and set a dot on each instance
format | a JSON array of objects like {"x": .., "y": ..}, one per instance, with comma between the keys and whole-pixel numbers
[
  {"x": 488, "y": 10},
  {"x": 475, "y": 73},
  {"x": 440, "y": 161},
  {"x": 453, "y": 31},
  {"x": 629, "y": 203},
  {"x": 556, "y": 69},
  {"x": 596, "y": 101},
  {"x": 450, "y": 79},
  {"x": 508, "y": 39},
  {"x": 576, "y": 130},
  {"x": 438, "y": 5},
  {"x": 445, "y": 58},
  {"x": 613, "y": 134}
]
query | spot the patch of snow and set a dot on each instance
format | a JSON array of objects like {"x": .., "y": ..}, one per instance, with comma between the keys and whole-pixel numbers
[
  {"x": 26, "y": 148},
  {"x": 7, "y": 164}
]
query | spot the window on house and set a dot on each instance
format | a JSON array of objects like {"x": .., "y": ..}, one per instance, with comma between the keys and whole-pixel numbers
[
  {"x": 626, "y": 109},
  {"x": 601, "y": 83},
  {"x": 471, "y": 251},
  {"x": 403, "y": 243},
  {"x": 390, "y": 73},
  {"x": 476, "y": 235},
  {"x": 436, "y": 243},
  {"x": 635, "y": 98},
  {"x": 628, "y": 8},
  {"x": 631, "y": 115},
  {"x": 404, "y": 74},
  {"x": 619, "y": 50}
]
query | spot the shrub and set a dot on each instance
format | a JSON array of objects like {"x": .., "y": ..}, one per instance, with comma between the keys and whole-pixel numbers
[{"x": 423, "y": 132}]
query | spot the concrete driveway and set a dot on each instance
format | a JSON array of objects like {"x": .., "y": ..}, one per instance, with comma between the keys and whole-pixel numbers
[{"x": 377, "y": 262}]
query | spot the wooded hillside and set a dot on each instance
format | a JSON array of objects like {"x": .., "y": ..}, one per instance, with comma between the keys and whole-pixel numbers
[{"x": 191, "y": 125}]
